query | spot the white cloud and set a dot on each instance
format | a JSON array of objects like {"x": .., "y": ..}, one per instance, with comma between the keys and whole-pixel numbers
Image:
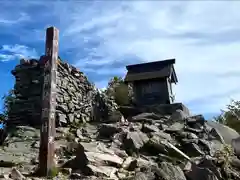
[
  {"x": 12, "y": 52},
  {"x": 197, "y": 34},
  {"x": 4, "y": 21},
  {"x": 203, "y": 36}
]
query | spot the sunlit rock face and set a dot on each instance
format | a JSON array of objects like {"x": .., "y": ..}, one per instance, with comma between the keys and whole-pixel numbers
[{"x": 227, "y": 133}]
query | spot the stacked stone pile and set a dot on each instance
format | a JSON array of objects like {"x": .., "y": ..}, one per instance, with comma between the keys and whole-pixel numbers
[
  {"x": 74, "y": 95},
  {"x": 27, "y": 89},
  {"x": 78, "y": 100}
]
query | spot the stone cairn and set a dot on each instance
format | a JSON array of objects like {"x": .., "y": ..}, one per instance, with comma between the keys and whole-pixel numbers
[
  {"x": 27, "y": 89},
  {"x": 78, "y": 100}
]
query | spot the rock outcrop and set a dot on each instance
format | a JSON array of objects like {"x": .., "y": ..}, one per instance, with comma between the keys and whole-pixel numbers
[{"x": 149, "y": 146}]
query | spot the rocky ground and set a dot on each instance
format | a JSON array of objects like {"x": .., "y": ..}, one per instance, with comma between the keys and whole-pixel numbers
[{"x": 146, "y": 147}]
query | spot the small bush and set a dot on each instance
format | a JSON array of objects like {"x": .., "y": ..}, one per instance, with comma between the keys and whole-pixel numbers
[
  {"x": 8, "y": 101},
  {"x": 118, "y": 90},
  {"x": 53, "y": 172},
  {"x": 231, "y": 117},
  {"x": 121, "y": 94},
  {"x": 223, "y": 156}
]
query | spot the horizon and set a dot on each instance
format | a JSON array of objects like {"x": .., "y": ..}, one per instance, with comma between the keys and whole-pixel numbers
[{"x": 107, "y": 36}]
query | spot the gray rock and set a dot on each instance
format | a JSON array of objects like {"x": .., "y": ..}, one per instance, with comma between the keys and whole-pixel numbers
[
  {"x": 16, "y": 175},
  {"x": 145, "y": 117},
  {"x": 175, "y": 127},
  {"x": 195, "y": 121},
  {"x": 198, "y": 173},
  {"x": 62, "y": 118},
  {"x": 129, "y": 164},
  {"x": 149, "y": 128},
  {"x": 135, "y": 140},
  {"x": 104, "y": 170},
  {"x": 236, "y": 145},
  {"x": 168, "y": 171},
  {"x": 192, "y": 149},
  {"x": 227, "y": 133},
  {"x": 179, "y": 115},
  {"x": 144, "y": 176},
  {"x": 108, "y": 130},
  {"x": 235, "y": 162},
  {"x": 71, "y": 118},
  {"x": 207, "y": 162}
]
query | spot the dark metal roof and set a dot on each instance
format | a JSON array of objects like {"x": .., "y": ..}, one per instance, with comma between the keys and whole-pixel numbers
[
  {"x": 150, "y": 66},
  {"x": 151, "y": 70}
]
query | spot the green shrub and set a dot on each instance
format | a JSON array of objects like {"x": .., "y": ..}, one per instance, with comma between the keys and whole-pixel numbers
[
  {"x": 121, "y": 94},
  {"x": 118, "y": 90},
  {"x": 223, "y": 155},
  {"x": 53, "y": 172},
  {"x": 8, "y": 101},
  {"x": 231, "y": 117}
]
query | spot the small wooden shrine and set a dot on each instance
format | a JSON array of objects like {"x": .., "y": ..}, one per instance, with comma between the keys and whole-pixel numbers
[{"x": 152, "y": 82}]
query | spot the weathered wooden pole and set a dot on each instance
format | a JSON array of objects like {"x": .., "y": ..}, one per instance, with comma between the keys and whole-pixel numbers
[{"x": 47, "y": 150}]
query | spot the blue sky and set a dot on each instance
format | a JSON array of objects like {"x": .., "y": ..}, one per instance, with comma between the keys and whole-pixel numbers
[{"x": 101, "y": 38}]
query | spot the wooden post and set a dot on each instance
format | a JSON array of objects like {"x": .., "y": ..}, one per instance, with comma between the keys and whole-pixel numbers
[{"x": 47, "y": 150}]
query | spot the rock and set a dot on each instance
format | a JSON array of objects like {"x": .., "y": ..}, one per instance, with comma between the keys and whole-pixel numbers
[
  {"x": 71, "y": 118},
  {"x": 129, "y": 164},
  {"x": 76, "y": 176},
  {"x": 198, "y": 173},
  {"x": 104, "y": 170},
  {"x": 175, "y": 127},
  {"x": 168, "y": 171},
  {"x": 115, "y": 116},
  {"x": 210, "y": 146},
  {"x": 236, "y": 145},
  {"x": 235, "y": 162},
  {"x": 156, "y": 145},
  {"x": 35, "y": 144},
  {"x": 195, "y": 121},
  {"x": 145, "y": 117},
  {"x": 227, "y": 133},
  {"x": 84, "y": 158},
  {"x": 7, "y": 164},
  {"x": 101, "y": 158},
  {"x": 162, "y": 135},
  {"x": 62, "y": 118},
  {"x": 214, "y": 134},
  {"x": 146, "y": 128},
  {"x": 208, "y": 163},
  {"x": 135, "y": 140},
  {"x": 144, "y": 176},
  {"x": 16, "y": 175},
  {"x": 143, "y": 162},
  {"x": 178, "y": 115},
  {"x": 192, "y": 149},
  {"x": 108, "y": 130},
  {"x": 192, "y": 136}
]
